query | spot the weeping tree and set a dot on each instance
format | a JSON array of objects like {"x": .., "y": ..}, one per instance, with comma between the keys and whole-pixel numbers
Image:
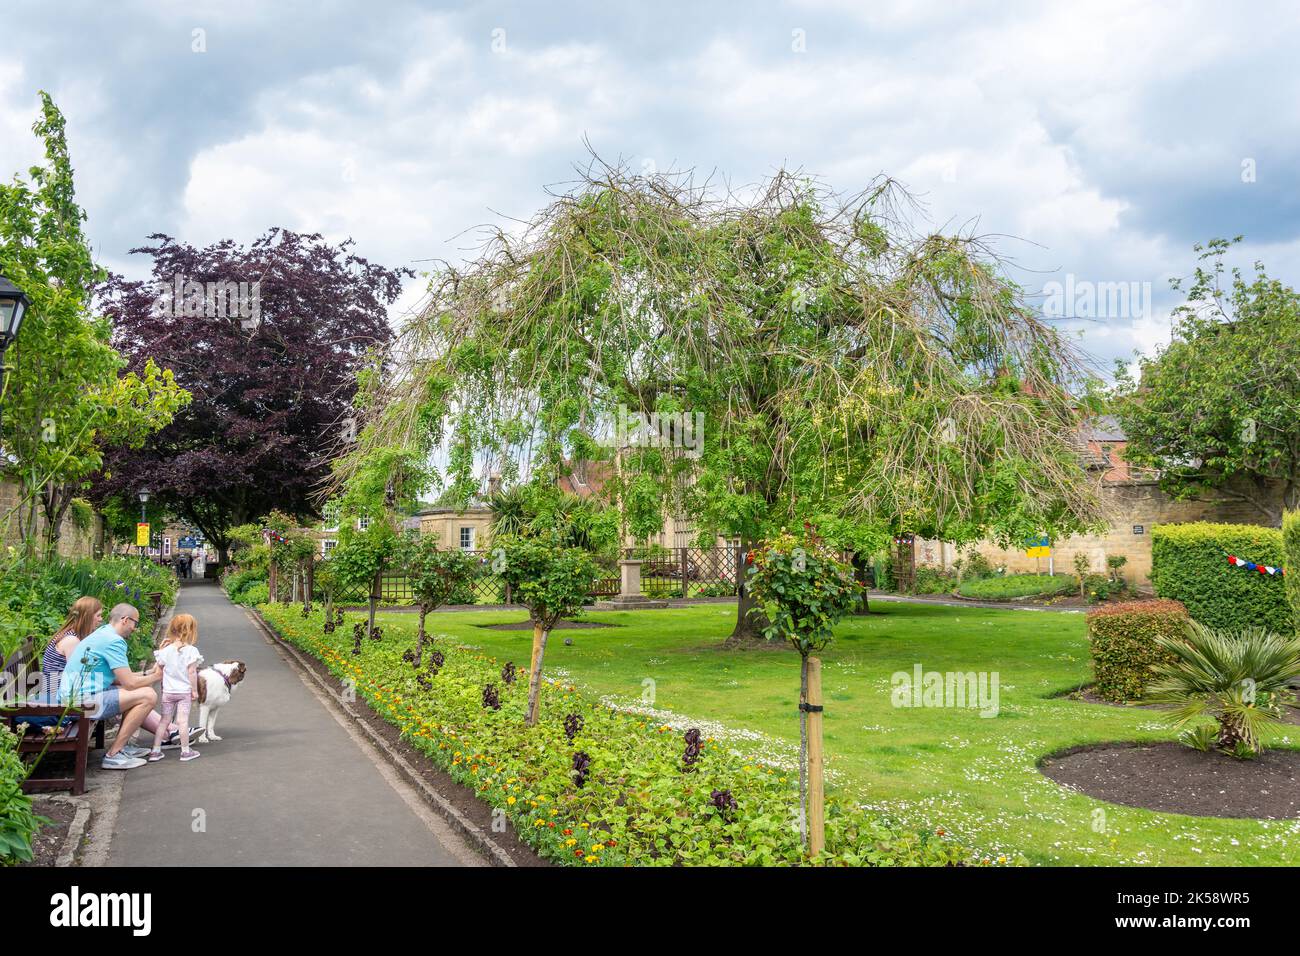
[{"x": 744, "y": 359}]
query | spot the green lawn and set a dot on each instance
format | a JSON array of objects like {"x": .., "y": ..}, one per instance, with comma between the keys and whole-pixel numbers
[{"x": 935, "y": 766}]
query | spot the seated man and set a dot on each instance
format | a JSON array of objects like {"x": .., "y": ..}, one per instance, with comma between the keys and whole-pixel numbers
[{"x": 99, "y": 677}]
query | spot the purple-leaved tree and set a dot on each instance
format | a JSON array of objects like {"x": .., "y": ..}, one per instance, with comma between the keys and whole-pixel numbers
[{"x": 269, "y": 339}]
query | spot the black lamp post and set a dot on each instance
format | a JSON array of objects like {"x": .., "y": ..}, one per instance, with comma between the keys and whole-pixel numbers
[
  {"x": 13, "y": 306},
  {"x": 144, "y": 499}
]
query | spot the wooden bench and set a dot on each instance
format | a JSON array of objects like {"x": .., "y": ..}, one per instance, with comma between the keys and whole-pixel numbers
[{"x": 73, "y": 738}]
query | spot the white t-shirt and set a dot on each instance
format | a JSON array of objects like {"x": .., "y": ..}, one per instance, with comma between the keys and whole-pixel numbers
[{"x": 176, "y": 660}]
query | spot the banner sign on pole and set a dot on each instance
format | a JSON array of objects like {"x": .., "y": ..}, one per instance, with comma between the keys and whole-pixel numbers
[
  {"x": 142, "y": 534},
  {"x": 1038, "y": 547}
]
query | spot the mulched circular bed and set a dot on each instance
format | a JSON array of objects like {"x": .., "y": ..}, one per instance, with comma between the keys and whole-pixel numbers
[
  {"x": 528, "y": 626},
  {"x": 1172, "y": 778}
]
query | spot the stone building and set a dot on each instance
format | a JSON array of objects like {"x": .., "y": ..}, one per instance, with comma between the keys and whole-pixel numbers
[
  {"x": 469, "y": 530},
  {"x": 1131, "y": 501}
]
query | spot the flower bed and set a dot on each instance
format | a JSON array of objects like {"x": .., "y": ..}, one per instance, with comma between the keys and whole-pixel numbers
[
  {"x": 1016, "y": 586},
  {"x": 647, "y": 796}
]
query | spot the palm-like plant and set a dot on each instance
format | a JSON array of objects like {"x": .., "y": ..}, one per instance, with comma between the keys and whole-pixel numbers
[
  {"x": 1238, "y": 678},
  {"x": 511, "y": 511}
]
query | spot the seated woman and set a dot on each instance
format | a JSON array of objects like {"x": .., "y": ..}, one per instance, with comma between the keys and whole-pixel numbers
[{"x": 86, "y": 615}]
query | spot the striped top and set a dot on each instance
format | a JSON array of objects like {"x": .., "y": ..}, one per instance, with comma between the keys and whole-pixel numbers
[{"x": 53, "y": 664}]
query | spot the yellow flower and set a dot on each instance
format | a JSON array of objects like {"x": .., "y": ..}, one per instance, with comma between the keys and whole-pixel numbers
[
  {"x": 570, "y": 841},
  {"x": 510, "y": 801}
]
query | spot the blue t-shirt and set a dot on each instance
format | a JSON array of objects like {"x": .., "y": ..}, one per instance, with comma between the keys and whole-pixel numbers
[{"x": 90, "y": 668}]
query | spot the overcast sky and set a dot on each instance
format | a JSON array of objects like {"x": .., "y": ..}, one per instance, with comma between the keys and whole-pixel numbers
[{"x": 1102, "y": 140}]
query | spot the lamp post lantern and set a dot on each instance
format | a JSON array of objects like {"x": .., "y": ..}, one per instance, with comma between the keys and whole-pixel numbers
[{"x": 13, "y": 306}]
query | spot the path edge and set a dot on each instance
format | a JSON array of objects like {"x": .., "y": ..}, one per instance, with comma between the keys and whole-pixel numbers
[{"x": 444, "y": 807}]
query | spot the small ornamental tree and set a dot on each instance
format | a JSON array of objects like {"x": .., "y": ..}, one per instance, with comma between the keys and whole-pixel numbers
[
  {"x": 435, "y": 575},
  {"x": 360, "y": 558},
  {"x": 552, "y": 582},
  {"x": 291, "y": 548},
  {"x": 802, "y": 587}
]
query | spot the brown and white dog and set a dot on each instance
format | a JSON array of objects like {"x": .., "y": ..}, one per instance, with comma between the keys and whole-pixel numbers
[{"x": 216, "y": 685}]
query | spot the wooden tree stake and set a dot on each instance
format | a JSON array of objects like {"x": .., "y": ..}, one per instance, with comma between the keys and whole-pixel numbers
[
  {"x": 816, "y": 791},
  {"x": 535, "y": 673}
]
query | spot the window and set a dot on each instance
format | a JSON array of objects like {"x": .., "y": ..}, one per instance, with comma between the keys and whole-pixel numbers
[
  {"x": 327, "y": 545},
  {"x": 363, "y": 523},
  {"x": 330, "y": 519},
  {"x": 467, "y": 539}
]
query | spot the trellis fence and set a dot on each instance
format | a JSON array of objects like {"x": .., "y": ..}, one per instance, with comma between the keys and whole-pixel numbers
[{"x": 665, "y": 572}]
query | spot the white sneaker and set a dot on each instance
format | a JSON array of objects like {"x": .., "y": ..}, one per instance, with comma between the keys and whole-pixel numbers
[{"x": 120, "y": 761}]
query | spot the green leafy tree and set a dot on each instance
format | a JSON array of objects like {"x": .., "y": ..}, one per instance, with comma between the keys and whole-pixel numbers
[
  {"x": 803, "y": 588},
  {"x": 1218, "y": 408},
  {"x": 801, "y": 355},
  {"x": 550, "y": 580},
  {"x": 65, "y": 402},
  {"x": 435, "y": 575}
]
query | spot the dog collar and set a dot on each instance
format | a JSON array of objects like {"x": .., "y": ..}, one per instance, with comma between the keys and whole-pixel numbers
[{"x": 226, "y": 679}]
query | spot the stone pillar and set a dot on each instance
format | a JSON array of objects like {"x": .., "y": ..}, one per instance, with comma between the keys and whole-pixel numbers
[
  {"x": 629, "y": 571},
  {"x": 629, "y": 596}
]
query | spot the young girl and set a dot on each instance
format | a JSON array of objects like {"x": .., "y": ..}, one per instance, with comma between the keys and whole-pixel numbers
[{"x": 180, "y": 660}]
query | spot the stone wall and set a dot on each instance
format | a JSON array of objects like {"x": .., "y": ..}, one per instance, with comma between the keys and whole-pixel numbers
[
  {"x": 72, "y": 543},
  {"x": 1129, "y": 506}
]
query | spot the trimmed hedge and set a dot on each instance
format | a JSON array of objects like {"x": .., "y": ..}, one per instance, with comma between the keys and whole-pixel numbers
[
  {"x": 1015, "y": 586},
  {"x": 1189, "y": 563},
  {"x": 1122, "y": 641},
  {"x": 1291, "y": 547}
]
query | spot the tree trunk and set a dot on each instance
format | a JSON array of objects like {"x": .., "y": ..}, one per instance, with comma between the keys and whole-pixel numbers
[
  {"x": 535, "y": 673},
  {"x": 861, "y": 572},
  {"x": 749, "y": 619},
  {"x": 419, "y": 637},
  {"x": 374, "y": 601},
  {"x": 100, "y": 533},
  {"x": 55, "y": 500}
]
